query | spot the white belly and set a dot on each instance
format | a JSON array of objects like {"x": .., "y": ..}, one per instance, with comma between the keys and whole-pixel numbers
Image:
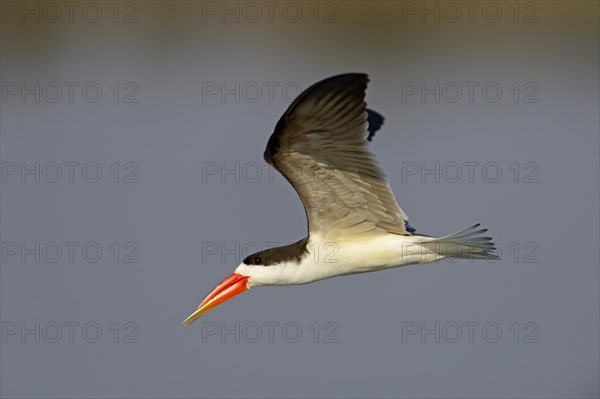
[{"x": 327, "y": 258}]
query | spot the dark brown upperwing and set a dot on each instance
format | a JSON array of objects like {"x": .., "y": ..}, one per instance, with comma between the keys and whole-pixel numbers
[{"x": 319, "y": 145}]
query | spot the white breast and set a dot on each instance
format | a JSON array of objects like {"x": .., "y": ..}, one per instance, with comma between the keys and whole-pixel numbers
[{"x": 328, "y": 258}]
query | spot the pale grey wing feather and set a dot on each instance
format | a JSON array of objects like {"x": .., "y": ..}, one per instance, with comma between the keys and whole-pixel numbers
[{"x": 319, "y": 145}]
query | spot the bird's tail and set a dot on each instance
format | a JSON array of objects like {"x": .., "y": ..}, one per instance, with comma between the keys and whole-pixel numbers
[{"x": 468, "y": 244}]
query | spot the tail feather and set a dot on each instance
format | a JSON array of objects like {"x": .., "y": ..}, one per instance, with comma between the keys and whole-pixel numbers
[{"x": 467, "y": 243}]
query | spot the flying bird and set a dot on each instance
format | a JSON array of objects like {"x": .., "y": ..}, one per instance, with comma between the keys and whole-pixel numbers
[{"x": 354, "y": 222}]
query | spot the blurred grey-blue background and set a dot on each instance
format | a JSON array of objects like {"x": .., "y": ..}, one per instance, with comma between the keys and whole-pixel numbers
[{"x": 133, "y": 182}]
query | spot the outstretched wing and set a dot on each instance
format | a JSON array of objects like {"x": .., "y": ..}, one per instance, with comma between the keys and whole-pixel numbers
[{"x": 319, "y": 145}]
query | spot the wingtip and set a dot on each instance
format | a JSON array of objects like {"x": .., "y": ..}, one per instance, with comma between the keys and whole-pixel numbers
[{"x": 374, "y": 122}]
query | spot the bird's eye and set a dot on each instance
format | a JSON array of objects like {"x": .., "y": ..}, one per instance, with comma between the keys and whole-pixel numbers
[{"x": 257, "y": 261}]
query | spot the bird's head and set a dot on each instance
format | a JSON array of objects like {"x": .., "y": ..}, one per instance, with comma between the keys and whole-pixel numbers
[{"x": 268, "y": 267}]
